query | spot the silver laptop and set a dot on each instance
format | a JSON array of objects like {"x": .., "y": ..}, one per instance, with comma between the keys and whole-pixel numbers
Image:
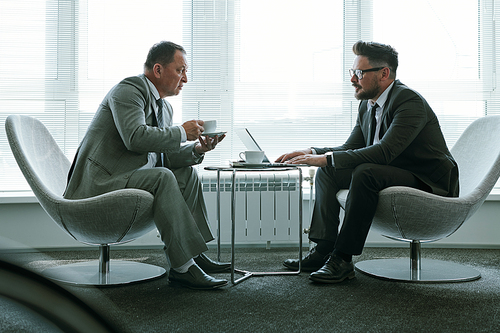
[{"x": 251, "y": 144}]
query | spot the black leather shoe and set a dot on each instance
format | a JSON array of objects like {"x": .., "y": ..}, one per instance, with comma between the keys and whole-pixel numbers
[
  {"x": 195, "y": 278},
  {"x": 310, "y": 263},
  {"x": 210, "y": 266},
  {"x": 334, "y": 271}
]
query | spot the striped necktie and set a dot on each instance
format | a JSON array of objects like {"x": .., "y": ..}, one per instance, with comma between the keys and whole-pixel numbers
[{"x": 159, "y": 117}]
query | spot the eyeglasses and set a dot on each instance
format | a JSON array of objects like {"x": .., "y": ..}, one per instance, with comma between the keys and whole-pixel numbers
[{"x": 360, "y": 72}]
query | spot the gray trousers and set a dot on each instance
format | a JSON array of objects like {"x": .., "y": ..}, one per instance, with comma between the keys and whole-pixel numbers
[{"x": 179, "y": 210}]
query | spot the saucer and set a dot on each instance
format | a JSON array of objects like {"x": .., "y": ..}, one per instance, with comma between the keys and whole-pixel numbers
[
  {"x": 242, "y": 164},
  {"x": 213, "y": 134},
  {"x": 254, "y": 165}
]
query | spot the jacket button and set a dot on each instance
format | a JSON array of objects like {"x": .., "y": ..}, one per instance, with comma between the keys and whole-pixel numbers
[{"x": 126, "y": 176}]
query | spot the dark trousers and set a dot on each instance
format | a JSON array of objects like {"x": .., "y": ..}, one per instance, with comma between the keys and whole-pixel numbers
[{"x": 364, "y": 183}]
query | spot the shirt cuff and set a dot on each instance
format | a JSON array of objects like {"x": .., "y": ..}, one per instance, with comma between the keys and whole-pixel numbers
[
  {"x": 183, "y": 134},
  {"x": 313, "y": 151}
]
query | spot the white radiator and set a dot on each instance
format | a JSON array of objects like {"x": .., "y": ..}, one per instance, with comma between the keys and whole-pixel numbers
[{"x": 267, "y": 206}]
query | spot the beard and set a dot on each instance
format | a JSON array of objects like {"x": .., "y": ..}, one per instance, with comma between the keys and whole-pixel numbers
[{"x": 367, "y": 93}]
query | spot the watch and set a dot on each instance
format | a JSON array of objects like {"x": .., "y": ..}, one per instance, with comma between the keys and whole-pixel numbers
[{"x": 329, "y": 160}]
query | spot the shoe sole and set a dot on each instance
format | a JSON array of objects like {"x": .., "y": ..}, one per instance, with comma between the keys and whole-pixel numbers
[
  {"x": 350, "y": 276},
  {"x": 223, "y": 270}
]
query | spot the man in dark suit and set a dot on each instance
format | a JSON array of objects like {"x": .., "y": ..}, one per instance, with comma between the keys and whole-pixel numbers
[
  {"x": 397, "y": 141},
  {"x": 132, "y": 143}
]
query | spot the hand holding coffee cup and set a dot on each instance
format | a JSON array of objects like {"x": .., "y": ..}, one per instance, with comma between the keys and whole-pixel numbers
[
  {"x": 252, "y": 156},
  {"x": 210, "y": 126}
]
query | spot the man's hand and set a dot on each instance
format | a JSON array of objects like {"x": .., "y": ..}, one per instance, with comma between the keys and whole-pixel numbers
[
  {"x": 309, "y": 159},
  {"x": 286, "y": 157},
  {"x": 207, "y": 143},
  {"x": 193, "y": 129}
]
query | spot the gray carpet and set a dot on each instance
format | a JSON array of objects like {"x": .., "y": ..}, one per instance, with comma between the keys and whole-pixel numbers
[{"x": 287, "y": 303}]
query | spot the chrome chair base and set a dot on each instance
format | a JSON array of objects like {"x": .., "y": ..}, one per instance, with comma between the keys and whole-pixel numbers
[
  {"x": 87, "y": 273},
  {"x": 431, "y": 271}
]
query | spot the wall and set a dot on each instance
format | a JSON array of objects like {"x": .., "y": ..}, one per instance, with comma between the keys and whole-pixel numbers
[{"x": 24, "y": 225}]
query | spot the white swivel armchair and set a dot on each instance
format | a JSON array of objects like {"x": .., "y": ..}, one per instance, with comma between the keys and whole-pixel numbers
[
  {"x": 415, "y": 216},
  {"x": 89, "y": 220}
]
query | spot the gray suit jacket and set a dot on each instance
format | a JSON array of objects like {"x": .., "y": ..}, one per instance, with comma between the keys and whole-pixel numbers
[
  {"x": 410, "y": 139},
  {"x": 119, "y": 139}
]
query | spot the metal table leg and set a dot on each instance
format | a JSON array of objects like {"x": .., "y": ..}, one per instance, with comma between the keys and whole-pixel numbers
[
  {"x": 218, "y": 215},
  {"x": 248, "y": 274}
]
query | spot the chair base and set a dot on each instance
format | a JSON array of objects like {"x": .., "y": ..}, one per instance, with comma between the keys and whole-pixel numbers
[
  {"x": 432, "y": 271},
  {"x": 87, "y": 273}
]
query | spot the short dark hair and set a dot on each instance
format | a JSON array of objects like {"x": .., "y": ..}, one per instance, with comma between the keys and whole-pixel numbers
[
  {"x": 162, "y": 53},
  {"x": 378, "y": 55}
]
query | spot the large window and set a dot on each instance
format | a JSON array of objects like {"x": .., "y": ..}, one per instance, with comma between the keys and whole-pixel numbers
[
  {"x": 277, "y": 67},
  {"x": 446, "y": 54}
]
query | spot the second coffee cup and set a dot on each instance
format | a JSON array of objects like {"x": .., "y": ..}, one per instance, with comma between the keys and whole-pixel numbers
[{"x": 252, "y": 156}]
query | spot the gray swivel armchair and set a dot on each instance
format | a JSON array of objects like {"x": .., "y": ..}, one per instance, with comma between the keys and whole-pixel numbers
[
  {"x": 415, "y": 216},
  {"x": 89, "y": 220}
]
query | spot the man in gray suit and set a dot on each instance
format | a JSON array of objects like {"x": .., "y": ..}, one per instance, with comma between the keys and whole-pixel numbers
[
  {"x": 131, "y": 143},
  {"x": 397, "y": 141}
]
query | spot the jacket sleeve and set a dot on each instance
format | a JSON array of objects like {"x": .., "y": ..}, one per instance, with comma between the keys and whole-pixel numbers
[{"x": 186, "y": 156}]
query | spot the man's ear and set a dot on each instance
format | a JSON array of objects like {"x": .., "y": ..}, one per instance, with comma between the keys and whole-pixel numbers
[
  {"x": 157, "y": 70},
  {"x": 386, "y": 72}
]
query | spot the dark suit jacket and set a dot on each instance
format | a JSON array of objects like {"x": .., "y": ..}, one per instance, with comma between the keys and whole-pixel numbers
[
  {"x": 119, "y": 139},
  {"x": 410, "y": 139}
]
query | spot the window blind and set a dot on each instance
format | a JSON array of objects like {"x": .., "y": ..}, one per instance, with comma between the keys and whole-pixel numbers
[
  {"x": 60, "y": 58},
  {"x": 274, "y": 67},
  {"x": 37, "y": 73},
  {"x": 447, "y": 57}
]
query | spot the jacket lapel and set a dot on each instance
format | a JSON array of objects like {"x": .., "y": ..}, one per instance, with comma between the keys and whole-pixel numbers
[{"x": 385, "y": 113}]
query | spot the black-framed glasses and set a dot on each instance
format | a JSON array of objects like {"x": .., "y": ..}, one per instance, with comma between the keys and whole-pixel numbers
[{"x": 359, "y": 72}]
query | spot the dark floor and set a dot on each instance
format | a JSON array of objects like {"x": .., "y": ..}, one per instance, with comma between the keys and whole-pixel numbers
[{"x": 288, "y": 303}]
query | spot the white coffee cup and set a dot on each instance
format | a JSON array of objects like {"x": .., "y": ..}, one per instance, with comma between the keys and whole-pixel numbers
[
  {"x": 252, "y": 156},
  {"x": 210, "y": 126}
]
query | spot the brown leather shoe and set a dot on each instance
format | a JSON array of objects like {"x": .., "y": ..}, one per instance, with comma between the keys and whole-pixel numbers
[
  {"x": 210, "y": 266},
  {"x": 195, "y": 278},
  {"x": 334, "y": 271},
  {"x": 310, "y": 263}
]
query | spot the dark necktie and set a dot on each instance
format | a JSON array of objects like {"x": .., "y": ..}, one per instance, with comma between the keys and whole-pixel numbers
[
  {"x": 159, "y": 120},
  {"x": 373, "y": 125}
]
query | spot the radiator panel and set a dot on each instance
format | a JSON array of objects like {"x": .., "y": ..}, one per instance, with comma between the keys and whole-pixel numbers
[{"x": 267, "y": 206}]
